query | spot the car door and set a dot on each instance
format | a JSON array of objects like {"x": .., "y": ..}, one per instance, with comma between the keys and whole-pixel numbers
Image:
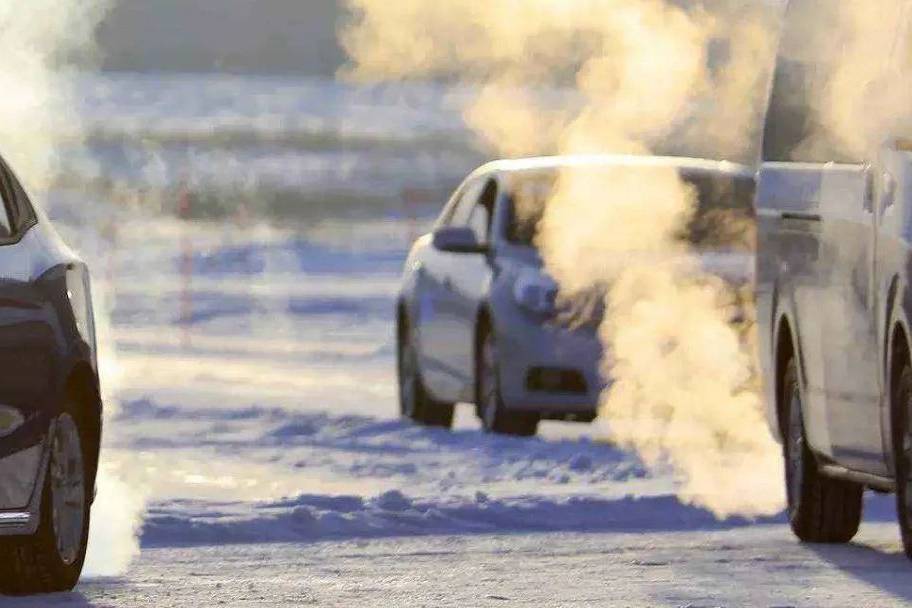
[
  {"x": 468, "y": 287},
  {"x": 438, "y": 307},
  {"x": 28, "y": 347},
  {"x": 892, "y": 213},
  {"x": 847, "y": 307},
  {"x": 788, "y": 200},
  {"x": 892, "y": 177},
  {"x": 856, "y": 194}
]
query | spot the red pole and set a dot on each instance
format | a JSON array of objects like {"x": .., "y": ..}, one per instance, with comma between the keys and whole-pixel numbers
[
  {"x": 186, "y": 264},
  {"x": 410, "y": 198}
]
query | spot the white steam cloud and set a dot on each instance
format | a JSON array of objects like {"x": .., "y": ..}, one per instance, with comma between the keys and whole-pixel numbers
[
  {"x": 851, "y": 64},
  {"x": 39, "y": 41},
  {"x": 645, "y": 75}
]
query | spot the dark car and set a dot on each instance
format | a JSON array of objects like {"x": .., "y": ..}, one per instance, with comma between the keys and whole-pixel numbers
[
  {"x": 50, "y": 408},
  {"x": 834, "y": 299}
]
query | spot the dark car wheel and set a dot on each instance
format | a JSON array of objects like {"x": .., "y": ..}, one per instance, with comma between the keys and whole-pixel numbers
[
  {"x": 414, "y": 401},
  {"x": 51, "y": 560},
  {"x": 820, "y": 509},
  {"x": 495, "y": 418},
  {"x": 902, "y": 452}
]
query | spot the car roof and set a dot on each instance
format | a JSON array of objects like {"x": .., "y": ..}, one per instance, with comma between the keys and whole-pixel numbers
[{"x": 546, "y": 163}]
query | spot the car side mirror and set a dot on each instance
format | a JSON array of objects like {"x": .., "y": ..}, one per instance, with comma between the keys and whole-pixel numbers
[{"x": 458, "y": 239}]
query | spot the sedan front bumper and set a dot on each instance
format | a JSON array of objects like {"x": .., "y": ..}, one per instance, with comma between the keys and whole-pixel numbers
[{"x": 548, "y": 368}]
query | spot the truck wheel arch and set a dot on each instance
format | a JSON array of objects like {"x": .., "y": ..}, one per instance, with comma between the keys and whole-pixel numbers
[
  {"x": 785, "y": 350},
  {"x": 896, "y": 333},
  {"x": 896, "y": 350}
]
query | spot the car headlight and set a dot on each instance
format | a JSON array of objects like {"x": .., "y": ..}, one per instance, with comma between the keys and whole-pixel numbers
[
  {"x": 535, "y": 292},
  {"x": 79, "y": 293},
  {"x": 10, "y": 420}
]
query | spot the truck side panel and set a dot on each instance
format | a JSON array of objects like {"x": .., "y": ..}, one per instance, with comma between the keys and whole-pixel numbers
[{"x": 789, "y": 230}]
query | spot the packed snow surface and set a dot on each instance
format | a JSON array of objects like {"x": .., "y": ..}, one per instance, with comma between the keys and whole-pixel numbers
[
  {"x": 759, "y": 566},
  {"x": 257, "y": 402},
  {"x": 254, "y": 410}
]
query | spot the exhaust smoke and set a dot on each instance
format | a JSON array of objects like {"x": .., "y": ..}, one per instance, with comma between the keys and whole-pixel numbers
[
  {"x": 630, "y": 77},
  {"x": 847, "y": 66}
]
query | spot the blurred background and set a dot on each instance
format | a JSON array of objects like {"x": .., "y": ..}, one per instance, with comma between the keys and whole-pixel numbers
[
  {"x": 246, "y": 214},
  {"x": 231, "y": 175},
  {"x": 233, "y": 110}
]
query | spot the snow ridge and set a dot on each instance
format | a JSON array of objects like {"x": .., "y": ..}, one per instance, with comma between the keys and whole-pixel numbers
[{"x": 311, "y": 518}]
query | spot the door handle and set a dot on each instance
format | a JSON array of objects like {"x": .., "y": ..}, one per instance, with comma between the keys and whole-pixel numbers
[{"x": 801, "y": 217}]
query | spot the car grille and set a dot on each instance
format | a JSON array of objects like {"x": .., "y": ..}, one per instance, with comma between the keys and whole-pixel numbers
[{"x": 556, "y": 380}]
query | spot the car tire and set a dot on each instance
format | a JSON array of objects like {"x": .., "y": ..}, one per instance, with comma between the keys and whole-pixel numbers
[
  {"x": 495, "y": 417},
  {"x": 901, "y": 401},
  {"x": 51, "y": 560},
  {"x": 820, "y": 509},
  {"x": 415, "y": 403}
]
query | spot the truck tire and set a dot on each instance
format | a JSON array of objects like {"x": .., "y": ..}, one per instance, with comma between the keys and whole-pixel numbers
[
  {"x": 820, "y": 509},
  {"x": 51, "y": 560},
  {"x": 415, "y": 403},
  {"x": 901, "y": 401}
]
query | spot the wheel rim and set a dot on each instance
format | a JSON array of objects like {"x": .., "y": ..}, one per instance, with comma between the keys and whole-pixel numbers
[
  {"x": 795, "y": 452},
  {"x": 489, "y": 390},
  {"x": 67, "y": 489},
  {"x": 407, "y": 374}
]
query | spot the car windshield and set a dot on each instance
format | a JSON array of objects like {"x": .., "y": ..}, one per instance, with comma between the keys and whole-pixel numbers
[
  {"x": 527, "y": 199},
  {"x": 724, "y": 219}
]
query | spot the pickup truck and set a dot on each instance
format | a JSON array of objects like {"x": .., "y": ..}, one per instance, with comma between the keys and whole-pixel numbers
[{"x": 834, "y": 300}]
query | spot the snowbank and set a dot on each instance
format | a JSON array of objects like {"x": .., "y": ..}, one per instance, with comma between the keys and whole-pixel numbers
[{"x": 309, "y": 518}]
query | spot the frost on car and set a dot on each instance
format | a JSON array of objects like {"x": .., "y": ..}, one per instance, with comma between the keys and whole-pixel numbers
[
  {"x": 50, "y": 409},
  {"x": 479, "y": 320},
  {"x": 833, "y": 298}
]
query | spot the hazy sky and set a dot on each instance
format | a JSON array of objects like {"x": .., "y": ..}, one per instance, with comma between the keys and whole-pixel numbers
[
  {"x": 269, "y": 36},
  {"x": 232, "y": 35}
]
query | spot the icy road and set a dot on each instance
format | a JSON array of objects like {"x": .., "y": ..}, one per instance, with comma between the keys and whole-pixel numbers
[
  {"x": 256, "y": 416},
  {"x": 756, "y": 566}
]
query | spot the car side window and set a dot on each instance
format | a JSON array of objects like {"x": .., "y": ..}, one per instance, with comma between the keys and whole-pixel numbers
[
  {"x": 6, "y": 222},
  {"x": 455, "y": 204},
  {"x": 466, "y": 205},
  {"x": 482, "y": 212},
  {"x": 447, "y": 214},
  {"x": 20, "y": 207}
]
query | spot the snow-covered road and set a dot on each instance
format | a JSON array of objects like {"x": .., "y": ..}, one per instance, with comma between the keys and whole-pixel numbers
[
  {"x": 257, "y": 402},
  {"x": 760, "y": 566},
  {"x": 255, "y": 414}
]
